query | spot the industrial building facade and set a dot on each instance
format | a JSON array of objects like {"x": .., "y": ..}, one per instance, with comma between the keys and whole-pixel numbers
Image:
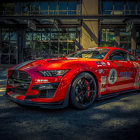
[{"x": 36, "y": 29}]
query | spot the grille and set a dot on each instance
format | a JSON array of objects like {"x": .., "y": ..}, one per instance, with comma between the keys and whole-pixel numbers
[
  {"x": 19, "y": 81},
  {"x": 47, "y": 93},
  {"x": 20, "y": 75}
]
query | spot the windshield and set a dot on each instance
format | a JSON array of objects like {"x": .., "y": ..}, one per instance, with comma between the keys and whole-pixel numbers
[{"x": 93, "y": 54}]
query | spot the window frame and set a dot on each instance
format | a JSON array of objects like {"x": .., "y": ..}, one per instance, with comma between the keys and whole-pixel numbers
[
  {"x": 119, "y": 51},
  {"x": 126, "y": 5},
  {"x": 133, "y": 56}
]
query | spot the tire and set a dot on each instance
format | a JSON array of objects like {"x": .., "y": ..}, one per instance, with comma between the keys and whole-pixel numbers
[{"x": 83, "y": 91}]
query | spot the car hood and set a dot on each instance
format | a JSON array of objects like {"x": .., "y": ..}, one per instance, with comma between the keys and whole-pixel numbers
[{"x": 55, "y": 63}]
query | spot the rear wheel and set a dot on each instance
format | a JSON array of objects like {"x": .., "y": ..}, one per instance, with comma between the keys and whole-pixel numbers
[{"x": 83, "y": 91}]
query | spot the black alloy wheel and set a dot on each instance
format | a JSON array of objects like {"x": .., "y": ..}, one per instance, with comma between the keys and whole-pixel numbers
[{"x": 83, "y": 91}]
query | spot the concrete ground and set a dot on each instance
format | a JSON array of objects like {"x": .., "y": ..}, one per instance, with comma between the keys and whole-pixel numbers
[{"x": 111, "y": 119}]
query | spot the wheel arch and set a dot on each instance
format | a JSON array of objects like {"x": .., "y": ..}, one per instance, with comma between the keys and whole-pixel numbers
[
  {"x": 71, "y": 101},
  {"x": 92, "y": 74}
]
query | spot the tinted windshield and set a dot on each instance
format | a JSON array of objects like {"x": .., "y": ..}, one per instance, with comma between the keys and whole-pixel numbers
[{"x": 95, "y": 54}]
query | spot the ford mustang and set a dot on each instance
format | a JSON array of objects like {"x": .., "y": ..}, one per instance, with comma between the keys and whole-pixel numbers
[{"x": 77, "y": 79}]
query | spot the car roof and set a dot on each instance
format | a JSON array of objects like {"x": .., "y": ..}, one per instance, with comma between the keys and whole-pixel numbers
[{"x": 112, "y": 48}]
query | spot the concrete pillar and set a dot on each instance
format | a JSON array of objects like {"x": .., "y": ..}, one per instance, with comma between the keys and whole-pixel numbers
[
  {"x": 117, "y": 37},
  {"x": 89, "y": 32},
  {"x": 133, "y": 41},
  {"x": 21, "y": 44}
]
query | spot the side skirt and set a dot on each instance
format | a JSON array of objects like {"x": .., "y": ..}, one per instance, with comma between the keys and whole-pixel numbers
[{"x": 110, "y": 95}]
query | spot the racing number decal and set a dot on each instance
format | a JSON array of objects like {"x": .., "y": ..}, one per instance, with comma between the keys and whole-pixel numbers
[{"x": 112, "y": 76}]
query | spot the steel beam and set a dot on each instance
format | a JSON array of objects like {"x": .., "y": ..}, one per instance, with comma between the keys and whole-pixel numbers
[{"x": 80, "y": 17}]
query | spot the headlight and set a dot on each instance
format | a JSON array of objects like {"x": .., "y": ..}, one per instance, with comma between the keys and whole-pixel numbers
[{"x": 51, "y": 73}]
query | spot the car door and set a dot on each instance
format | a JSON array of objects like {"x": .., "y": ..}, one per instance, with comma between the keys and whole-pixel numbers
[{"x": 119, "y": 73}]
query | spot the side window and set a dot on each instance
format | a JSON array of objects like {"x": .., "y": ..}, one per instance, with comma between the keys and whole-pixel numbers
[
  {"x": 120, "y": 56},
  {"x": 117, "y": 57},
  {"x": 132, "y": 58}
]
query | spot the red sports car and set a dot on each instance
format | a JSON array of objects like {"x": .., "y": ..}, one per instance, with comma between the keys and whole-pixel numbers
[{"x": 78, "y": 78}]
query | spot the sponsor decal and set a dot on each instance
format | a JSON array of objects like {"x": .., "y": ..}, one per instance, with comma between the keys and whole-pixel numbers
[
  {"x": 126, "y": 74},
  {"x": 103, "y": 63},
  {"x": 101, "y": 71},
  {"x": 41, "y": 80},
  {"x": 103, "y": 80},
  {"x": 112, "y": 76},
  {"x": 136, "y": 84},
  {"x": 108, "y": 63},
  {"x": 103, "y": 89},
  {"x": 98, "y": 63}
]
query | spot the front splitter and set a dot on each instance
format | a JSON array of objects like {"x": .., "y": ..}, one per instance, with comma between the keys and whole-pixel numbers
[{"x": 26, "y": 102}]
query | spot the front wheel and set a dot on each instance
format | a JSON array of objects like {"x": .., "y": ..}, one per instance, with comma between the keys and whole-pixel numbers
[{"x": 83, "y": 91}]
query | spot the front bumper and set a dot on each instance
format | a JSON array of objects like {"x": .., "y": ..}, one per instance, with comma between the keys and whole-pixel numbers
[
  {"x": 55, "y": 105},
  {"x": 50, "y": 92}
]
